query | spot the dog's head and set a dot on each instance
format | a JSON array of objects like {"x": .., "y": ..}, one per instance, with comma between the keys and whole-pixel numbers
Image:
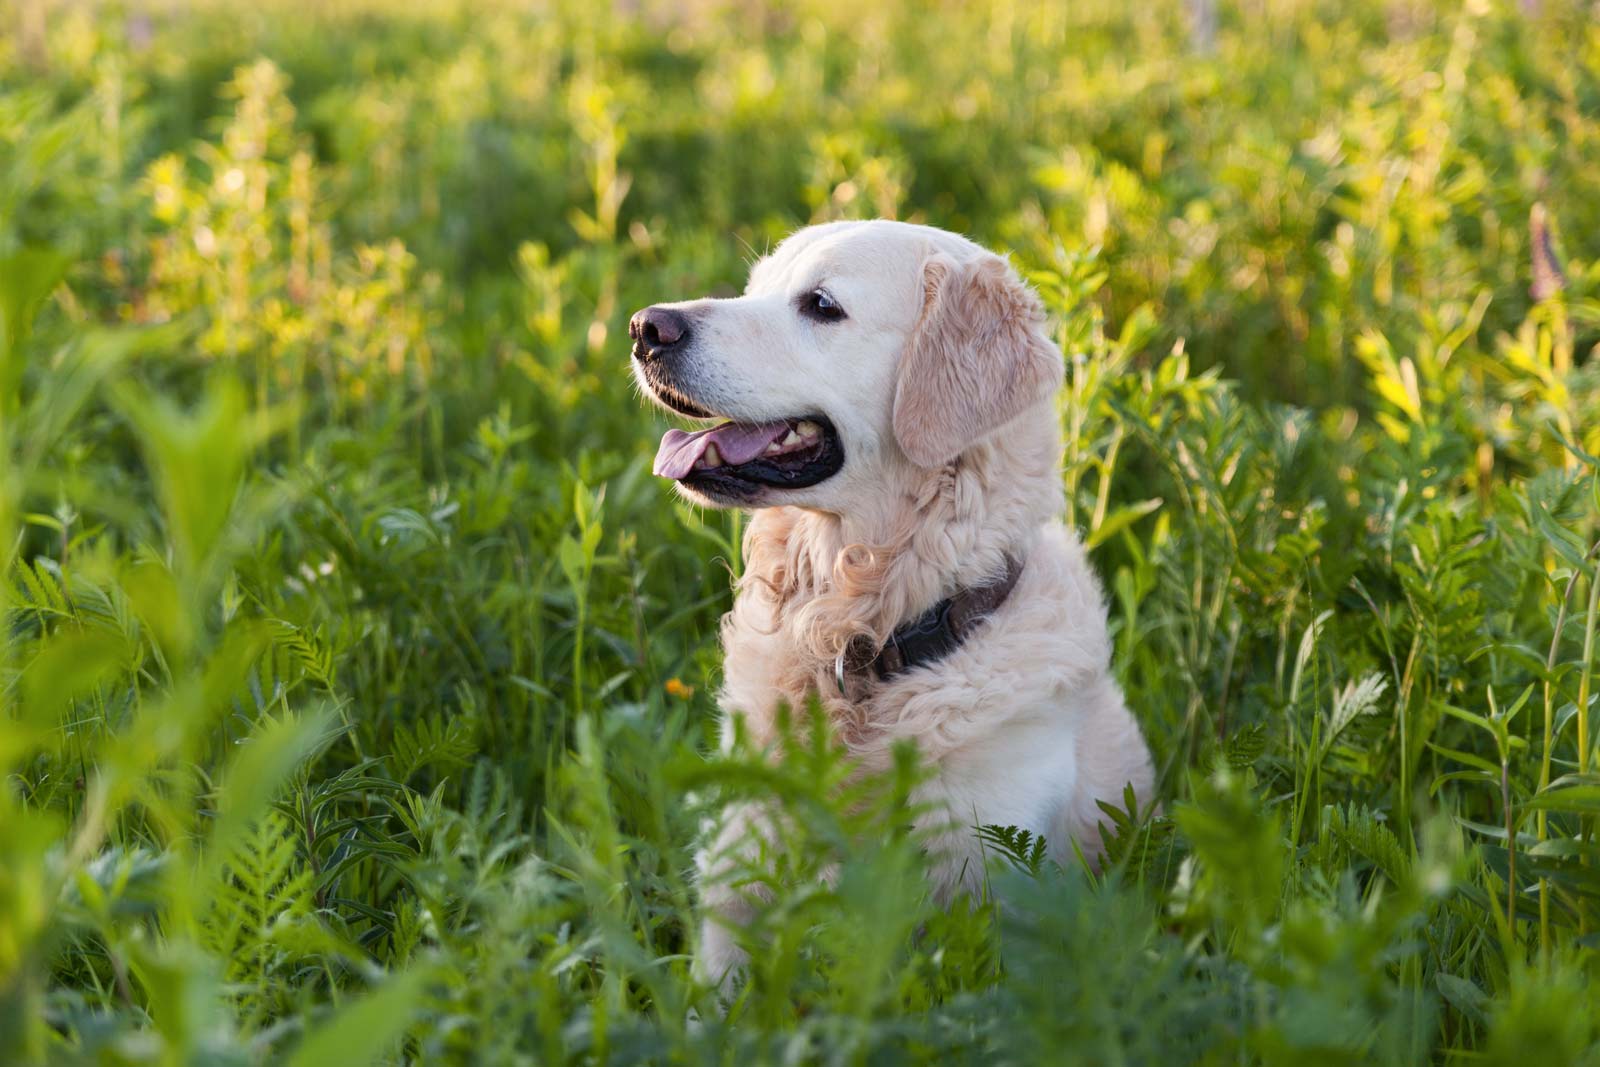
[{"x": 861, "y": 356}]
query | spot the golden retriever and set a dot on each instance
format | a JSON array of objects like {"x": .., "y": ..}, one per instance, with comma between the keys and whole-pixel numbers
[{"x": 883, "y": 399}]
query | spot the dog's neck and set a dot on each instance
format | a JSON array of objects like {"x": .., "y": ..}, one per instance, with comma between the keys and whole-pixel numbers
[{"x": 832, "y": 577}]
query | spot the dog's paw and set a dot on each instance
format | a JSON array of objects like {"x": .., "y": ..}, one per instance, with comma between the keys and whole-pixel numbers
[{"x": 720, "y": 961}]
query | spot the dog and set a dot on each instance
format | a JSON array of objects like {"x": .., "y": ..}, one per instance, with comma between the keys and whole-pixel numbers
[{"x": 882, "y": 398}]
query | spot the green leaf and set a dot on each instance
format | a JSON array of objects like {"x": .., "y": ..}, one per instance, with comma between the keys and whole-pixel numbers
[
  {"x": 254, "y": 776},
  {"x": 77, "y": 372},
  {"x": 1468, "y": 758},
  {"x": 196, "y": 458},
  {"x": 1245, "y": 746},
  {"x": 570, "y": 555},
  {"x": 1469, "y": 717},
  {"x": 1487, "y": 777},
  {"x": 1464, "y": 996},
  {"x": 68, "y": 667},
  {"x": 1574, "y": 792},
  {"x": 363, "y": 1029},
  {"x": 27, "y": 276},
  {"x": 1563, "y": 541},
  {"x": 1121, "y": 519}
]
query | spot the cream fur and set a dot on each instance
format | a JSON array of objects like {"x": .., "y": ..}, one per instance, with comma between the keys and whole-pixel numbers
[{"x": 942, "y": 385}]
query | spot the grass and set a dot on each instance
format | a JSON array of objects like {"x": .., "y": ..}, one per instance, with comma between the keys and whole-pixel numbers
[{"x": 358, "y": 680}]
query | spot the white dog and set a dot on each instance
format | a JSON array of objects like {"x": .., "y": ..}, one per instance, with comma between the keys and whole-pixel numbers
[{"x": 885, "y": 403}]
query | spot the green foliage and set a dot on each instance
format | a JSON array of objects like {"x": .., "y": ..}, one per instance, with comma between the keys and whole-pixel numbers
[{"x": 356, "y": 680}]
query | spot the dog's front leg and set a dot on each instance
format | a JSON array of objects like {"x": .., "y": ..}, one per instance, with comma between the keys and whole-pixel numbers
[{"x": 731, "y": 887}]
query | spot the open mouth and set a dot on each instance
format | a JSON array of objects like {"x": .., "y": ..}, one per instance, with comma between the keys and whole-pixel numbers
[{"x": 737, "y": 459}]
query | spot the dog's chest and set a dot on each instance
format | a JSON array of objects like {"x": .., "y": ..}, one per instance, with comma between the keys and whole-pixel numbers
[
  {"x": 1016, "y": 774},
  {"x": 1026, "y": 664},
  {"x": 972, "y": 721}
]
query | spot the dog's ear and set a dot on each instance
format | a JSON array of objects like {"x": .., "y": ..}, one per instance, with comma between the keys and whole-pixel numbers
[{"x": 977, "y": 359}]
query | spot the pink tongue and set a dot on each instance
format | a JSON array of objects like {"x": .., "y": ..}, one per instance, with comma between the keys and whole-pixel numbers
[{"x": 737, "y": 442}]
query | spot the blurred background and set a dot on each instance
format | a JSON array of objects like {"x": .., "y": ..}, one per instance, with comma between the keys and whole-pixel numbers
[{"x": 1275, "y": 180}]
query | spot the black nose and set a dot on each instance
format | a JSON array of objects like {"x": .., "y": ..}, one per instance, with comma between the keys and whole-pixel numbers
[{"x": 657, "y": 331}]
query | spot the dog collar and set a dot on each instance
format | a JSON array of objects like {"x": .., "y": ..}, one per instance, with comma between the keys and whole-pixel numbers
[{"x": 929, "y": 637}]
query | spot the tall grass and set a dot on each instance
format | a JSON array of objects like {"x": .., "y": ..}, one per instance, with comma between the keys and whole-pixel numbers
[{"x": 358, "y": 681}]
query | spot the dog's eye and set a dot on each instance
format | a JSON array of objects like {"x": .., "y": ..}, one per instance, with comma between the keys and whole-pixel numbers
[{"x": 820, "y": 305}]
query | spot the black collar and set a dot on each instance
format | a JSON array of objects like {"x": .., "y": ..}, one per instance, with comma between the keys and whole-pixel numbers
[{"x": 930, "y": 636}]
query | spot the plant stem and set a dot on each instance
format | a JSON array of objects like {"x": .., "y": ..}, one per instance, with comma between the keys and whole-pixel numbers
[
  {"x": 1542, "y": 821},
  {"x": 1585, "y": 680},
  {"x": 1511, "y": 842}
]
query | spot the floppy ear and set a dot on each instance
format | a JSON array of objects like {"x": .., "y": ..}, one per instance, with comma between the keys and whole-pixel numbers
[{"x": 977, "y": 359}]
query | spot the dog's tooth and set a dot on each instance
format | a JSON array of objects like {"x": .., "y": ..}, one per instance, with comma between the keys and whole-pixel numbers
[
  {"x": 791, "y": 440},
  {"x": 774, "y": 447},
  {"x": 808, "y": 428},
  {"x": 711, "y": 457}
]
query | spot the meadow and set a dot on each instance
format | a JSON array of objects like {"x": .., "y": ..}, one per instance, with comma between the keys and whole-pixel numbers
[{"x": 357, "y": 680}]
